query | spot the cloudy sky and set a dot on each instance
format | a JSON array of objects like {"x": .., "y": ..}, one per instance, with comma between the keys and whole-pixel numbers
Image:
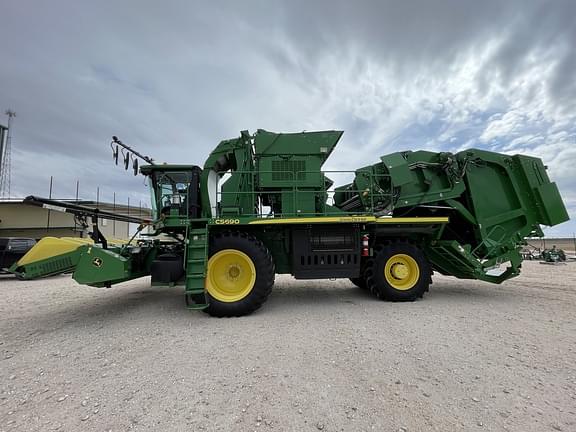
[{"x": 173, "y": 78}]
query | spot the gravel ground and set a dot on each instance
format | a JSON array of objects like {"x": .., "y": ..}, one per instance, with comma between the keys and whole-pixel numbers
[{"x": 320, "y": 355}]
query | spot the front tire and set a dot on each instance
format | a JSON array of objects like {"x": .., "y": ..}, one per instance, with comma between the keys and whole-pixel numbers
[
  {"x": 240, "y": 275},
  {"x": 398, "y": 272}
]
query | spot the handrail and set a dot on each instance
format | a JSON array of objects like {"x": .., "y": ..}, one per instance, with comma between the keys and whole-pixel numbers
[{"x": 297, "y": 189}]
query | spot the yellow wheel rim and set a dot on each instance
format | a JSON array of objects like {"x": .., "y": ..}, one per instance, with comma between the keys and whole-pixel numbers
[
  {"x": 402, "y": 272},
  {"x": 231, "y": 275}
]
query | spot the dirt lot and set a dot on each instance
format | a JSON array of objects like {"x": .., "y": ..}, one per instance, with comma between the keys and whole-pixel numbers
[{"x": 320, "y": 355}]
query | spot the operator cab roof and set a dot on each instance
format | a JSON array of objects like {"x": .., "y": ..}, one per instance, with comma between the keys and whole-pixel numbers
[{"x": 149, "y": 169}]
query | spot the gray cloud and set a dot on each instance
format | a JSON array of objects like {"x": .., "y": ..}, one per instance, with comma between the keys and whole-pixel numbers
[{"x": 174, "y": 79}]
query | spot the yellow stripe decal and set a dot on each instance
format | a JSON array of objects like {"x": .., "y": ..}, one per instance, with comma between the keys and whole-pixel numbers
[
  {"x": 413, "y": 220},
  {"x": 350, "y": 219}
]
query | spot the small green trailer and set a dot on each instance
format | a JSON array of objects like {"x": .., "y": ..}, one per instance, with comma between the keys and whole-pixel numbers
[{"x": 261, "y": 205}]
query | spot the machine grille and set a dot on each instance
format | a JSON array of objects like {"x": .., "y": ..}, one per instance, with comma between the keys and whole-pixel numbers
[
  {"x": 286, "y": 170},
  {"x": 327, "y": 251}
]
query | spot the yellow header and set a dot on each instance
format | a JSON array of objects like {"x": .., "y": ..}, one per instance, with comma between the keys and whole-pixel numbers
[
  {"x": 49, "y": 247},
  {"x": 351, "y": 219}
]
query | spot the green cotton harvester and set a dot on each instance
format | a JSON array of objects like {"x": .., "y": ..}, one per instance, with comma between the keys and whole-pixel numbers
[{"x": 262, "y": 206}]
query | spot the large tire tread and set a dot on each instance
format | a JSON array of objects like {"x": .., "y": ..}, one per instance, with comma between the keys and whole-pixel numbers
[
  {"x": 265, "y": 273},
  {"x": 376, "y": 282},
  {"x": 360, "y": 282}
]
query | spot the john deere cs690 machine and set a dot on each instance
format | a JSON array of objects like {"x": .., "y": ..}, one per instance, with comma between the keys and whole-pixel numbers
[{"x": 262, "y": 206}]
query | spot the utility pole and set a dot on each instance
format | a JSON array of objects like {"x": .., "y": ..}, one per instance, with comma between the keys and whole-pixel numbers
[
  {"x": 3, "y": 134},
  {"x": 5, "y": 158}
]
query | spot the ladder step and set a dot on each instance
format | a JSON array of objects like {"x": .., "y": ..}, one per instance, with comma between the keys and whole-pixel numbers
[
  {"x": 196, "y": 301},
  {"x": 195, "y": 291},
  {"x": 195, "y": 268},
  {"x": 195, "y": 282},
  {"x": 197, "y": 306},
  {"x": 196, "y": 254}
]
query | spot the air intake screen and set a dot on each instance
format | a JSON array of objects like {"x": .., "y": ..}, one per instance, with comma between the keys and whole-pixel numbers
[{"x": 287, "y": 170}]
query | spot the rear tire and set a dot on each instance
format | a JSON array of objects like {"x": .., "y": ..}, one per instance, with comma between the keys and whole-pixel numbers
[
  {"x": 360, "y": 282},
  {"x": 240, "y": 275},
  {"x": 398, "y": 272}
]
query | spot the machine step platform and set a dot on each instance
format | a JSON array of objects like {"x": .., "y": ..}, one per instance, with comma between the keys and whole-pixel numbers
[{"x": 196, "y": 260}]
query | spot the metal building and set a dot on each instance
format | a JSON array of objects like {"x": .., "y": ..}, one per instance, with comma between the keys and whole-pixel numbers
[{"x": 20, "y": 220}]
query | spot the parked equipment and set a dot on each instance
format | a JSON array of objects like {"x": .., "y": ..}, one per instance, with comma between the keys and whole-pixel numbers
[
  {"x": 12, "y": 249},
  {"x": 553, "y": 256},
  {"x": 261, "y": 205}
]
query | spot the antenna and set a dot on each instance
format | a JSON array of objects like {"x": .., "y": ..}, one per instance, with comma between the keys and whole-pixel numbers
[{"x": 6, "y": 157}]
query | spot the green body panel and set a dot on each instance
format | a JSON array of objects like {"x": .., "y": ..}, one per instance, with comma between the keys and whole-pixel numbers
[
  {"x": 97, "y": 266},
  {"x": 397, "y": 167},
  {"x": 292, "y": 160},
  {"x": 105, "y": 267},
  {"x": 550, "y": 206}
]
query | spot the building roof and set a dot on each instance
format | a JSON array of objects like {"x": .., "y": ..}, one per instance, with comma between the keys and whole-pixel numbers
[{"x": 122, "y": 209}]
